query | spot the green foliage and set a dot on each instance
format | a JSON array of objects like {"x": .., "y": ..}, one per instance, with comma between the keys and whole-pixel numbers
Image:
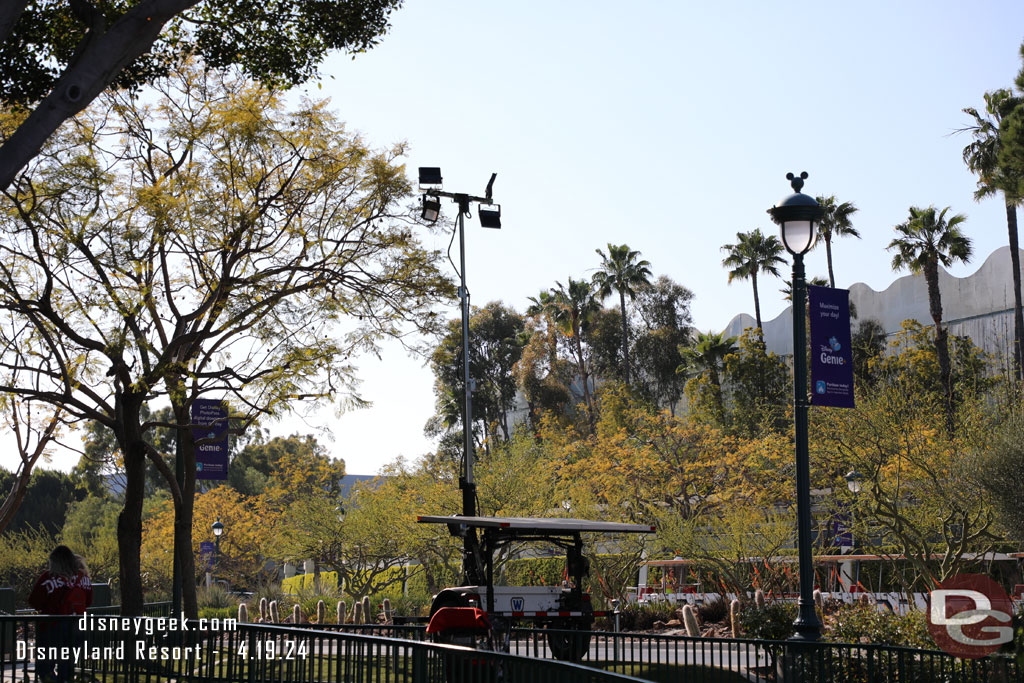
[
  {"x": 279, "y": 43},
  {"x": 623, "y": 272},
  {"x": 835, "y": 222},
  {"x": 753, "y": 253},
  {"x": 1001, "y": 472},
  {"x": 90, "y": 529},
  {"x": 637, "y": 617},
  {"x": 861, "y": 623},
  {"x": 23, "y": 556},
  {"x": 269, "y": 590},
  {"x": 868, "y": 344},
  {"x": 714, "y": 611},
  {"x": 663, "y": 307},
  {"x": 774, "y": 621},
  {"x": 412, "y": 605},
  {"x": 46, "y": 500},
  {"x": 758, "y": 387},
  {"x": 216, "y": 596},
  {"x": 534, "y": 571},
  {"x": 296, "y": 585},
  {"x": 496, "y": 343},
  {"x": 101, "y": 466}
]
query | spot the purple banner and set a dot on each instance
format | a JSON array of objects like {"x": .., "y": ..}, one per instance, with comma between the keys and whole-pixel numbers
[
  {"x": 831, "y": 355},
  {"x": 210, "y": 430}
]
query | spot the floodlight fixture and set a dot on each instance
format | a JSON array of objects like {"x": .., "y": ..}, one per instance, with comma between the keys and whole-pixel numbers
[
  {"x": 490, "y": 215},
  {"x": 430, "y": 177},
  {"x": 431, "y": 208}
]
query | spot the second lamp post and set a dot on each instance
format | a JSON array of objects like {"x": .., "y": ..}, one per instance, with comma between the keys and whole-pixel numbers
[{"x": 797, "y": 215}]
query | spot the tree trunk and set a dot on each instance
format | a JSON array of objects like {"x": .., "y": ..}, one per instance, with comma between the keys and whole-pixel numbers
[
  {"x": 931, "y": 275},
  {"x": 104, "y": 56},
  {"x": 129, "y": 521},
  {"x": 17, "y": 494},
  {"x": 757, "y": 305},
  {"x": 625, "y": 336},
  {"x": 184, "y": 517},
  {"x": 828, "y": 258},
  {"x": 585, "y": 377},
  {"x": 1018, "y": 309}
]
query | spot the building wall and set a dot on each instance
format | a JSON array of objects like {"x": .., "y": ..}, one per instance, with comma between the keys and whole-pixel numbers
[{"x": 979, "y": 306}]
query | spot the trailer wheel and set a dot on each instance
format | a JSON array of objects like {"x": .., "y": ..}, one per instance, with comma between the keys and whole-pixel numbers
[{"x": 569, "y": 642}]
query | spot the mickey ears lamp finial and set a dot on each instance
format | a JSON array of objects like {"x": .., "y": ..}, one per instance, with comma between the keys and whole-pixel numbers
[{"x": 796, "y": 183}]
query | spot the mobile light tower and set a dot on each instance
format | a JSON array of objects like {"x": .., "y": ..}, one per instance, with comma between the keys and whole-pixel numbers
[
  {"x": 796, "y": 216},
  {"x": 490, "y": 217}
]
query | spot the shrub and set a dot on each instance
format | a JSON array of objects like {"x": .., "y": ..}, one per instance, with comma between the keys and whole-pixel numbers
[
  {"x": 304, "y": 582},
  {"x": 637, "y": 617},
  {"x": 23, "y": 556},
  {"x": 307, "y": 599},
  {"x": 774, "y": 621},
  {"x": 412, "y": 605},
  {"x": 215, "y": 596},
  {"x": 861, "y": 623},
  {"x": 270, "y": 591},
  {"x": 714, "y": 611}
]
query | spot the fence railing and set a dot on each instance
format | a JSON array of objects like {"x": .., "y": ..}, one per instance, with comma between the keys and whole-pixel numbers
[
  {"x": 223, "y": 652},
  {"x": 157, "y": 649},
  {"x": 712, "y": 659},
  {"x": 707, "y": 659}
]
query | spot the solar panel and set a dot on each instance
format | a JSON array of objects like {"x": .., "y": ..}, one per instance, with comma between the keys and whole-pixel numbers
[{"x": 556, "y": 524}]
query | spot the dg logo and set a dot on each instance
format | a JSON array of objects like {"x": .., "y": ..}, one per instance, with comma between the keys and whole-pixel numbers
[{"x": 970, "y": 615}]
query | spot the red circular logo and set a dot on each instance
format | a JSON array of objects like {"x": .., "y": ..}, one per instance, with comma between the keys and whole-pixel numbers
[{"x": 970, "y": 615}]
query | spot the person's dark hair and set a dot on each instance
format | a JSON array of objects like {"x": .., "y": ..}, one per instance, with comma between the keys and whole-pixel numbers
[{"x": 64, "y": 562}]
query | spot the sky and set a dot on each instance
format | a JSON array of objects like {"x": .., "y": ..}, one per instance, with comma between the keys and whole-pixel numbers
[{"x": 670, "y": 127}]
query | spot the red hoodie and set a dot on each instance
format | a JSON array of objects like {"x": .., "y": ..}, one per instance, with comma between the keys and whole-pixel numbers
[{"x": 56, "y": 594}]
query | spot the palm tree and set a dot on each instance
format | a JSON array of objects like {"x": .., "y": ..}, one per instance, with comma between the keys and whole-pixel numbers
[
  {"x": 835, "y": 222},
  {"x": 621, "y": 272},
  {"x": 926, "y": 240},
  {"x": 570, "y": 308},
  {"x": 982, "y": 158},
  {"x": 708, "y": 351},
  {"x": 753, "y": 253},
  {"x": 787, "y": 286}
]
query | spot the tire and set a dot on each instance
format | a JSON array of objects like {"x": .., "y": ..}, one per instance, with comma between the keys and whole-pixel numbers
[{"x": 569, "y": 642}]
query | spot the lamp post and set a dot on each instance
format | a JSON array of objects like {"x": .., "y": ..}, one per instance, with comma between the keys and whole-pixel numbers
[
  {"x": 490, "y": 217},
  {"x": 218, "y": 529},
  {"x": 853, "y": 482},
  {"x": 796, "y": 216}
]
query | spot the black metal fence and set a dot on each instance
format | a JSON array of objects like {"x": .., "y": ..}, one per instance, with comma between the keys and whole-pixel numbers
[
  {"x": 161, "y": 648},
  {"x": 686, "y": 659},
  {"x": 715, "y": 659},
  {"x": 111, "y": 648}
]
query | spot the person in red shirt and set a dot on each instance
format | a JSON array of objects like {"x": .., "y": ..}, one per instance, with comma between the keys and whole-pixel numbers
[{"x": 63, "y": 589}]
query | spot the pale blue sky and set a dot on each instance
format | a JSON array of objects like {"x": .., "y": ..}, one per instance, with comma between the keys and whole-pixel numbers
[{"x": 668, "y": 126}]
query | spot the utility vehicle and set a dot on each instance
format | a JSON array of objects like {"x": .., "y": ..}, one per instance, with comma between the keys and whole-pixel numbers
[{"x": 480, "y": 614}]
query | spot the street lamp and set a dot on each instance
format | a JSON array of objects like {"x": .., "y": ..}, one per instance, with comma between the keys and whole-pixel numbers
[
  {"x": 490, "y": 217},
  {"x": 796, "y": 216},
  {"x": 853, "y": 480},
  {"x": 218, "y": 529}
]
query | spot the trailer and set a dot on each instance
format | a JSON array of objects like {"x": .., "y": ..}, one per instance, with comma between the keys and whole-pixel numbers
[{"x": 481, "y": 614}]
